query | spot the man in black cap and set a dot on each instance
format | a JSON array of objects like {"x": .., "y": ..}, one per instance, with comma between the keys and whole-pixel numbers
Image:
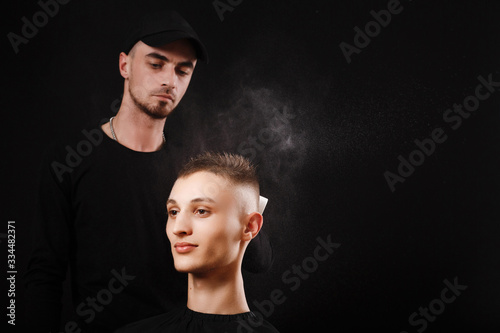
[
  {"x": 157, "y": 65},
  {"x": 105, "y": 218}
]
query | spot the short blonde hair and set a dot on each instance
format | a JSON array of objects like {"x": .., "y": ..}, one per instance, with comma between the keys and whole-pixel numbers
[{"x": 236, "y": 168}]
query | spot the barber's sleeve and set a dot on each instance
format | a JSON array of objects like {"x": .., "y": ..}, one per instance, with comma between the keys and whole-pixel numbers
[
  {"x": 48, "y": 262},
  {"x": 259, "y": 255}
]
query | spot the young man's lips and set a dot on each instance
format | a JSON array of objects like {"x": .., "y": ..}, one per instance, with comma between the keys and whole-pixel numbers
[{"x": 183, "y": 247}]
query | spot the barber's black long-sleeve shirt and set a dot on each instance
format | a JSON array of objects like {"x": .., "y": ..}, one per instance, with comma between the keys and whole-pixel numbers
[{"x": 101, "y": 212}]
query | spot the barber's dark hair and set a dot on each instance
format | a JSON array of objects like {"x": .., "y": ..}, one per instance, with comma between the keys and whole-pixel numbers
[{"x": 236, "y": 168}]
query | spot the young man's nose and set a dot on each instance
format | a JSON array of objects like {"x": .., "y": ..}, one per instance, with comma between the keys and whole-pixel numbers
[{"x": 182, "y": 225}]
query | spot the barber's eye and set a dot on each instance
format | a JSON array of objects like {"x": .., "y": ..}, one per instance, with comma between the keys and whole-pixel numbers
[{"x": 155, "y": 65}]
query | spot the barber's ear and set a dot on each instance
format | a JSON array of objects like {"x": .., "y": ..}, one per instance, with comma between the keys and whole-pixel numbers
[
  {"x": 123, "y": 64},
  {"x": 253, "y": 225}
]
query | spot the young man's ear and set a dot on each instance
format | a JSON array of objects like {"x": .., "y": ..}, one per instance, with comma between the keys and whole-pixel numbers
[{"x": 253, "y": 225}]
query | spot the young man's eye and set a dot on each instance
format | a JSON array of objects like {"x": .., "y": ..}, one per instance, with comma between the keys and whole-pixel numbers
[
  {"x": 172, "y": 213},
  {"x": 202, "y": 212}
]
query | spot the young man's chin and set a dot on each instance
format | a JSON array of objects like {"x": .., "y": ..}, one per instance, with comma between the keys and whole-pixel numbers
[
  {"x": 184, "y": 267},
  {"x": 192, "y": 268},
  {"x": 182, "y": 270}
]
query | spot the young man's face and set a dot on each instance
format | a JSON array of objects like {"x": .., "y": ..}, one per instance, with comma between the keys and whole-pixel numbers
[
  {"x": 158, "y": 77},
  {"x": 205, "y": 223}
]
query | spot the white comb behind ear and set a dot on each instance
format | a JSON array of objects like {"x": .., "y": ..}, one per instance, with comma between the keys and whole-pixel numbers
[{"x": 262, "y": 204}]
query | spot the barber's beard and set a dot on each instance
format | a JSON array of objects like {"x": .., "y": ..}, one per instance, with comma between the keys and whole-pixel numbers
[{"x": 156, "y": 110}]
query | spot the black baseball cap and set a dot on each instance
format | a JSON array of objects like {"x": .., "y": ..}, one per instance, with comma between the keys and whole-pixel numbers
[{"x": 163, "y": 27}]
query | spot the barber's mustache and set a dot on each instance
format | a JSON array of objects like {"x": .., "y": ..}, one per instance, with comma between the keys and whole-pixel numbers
[{"x": 165, "y": 92}]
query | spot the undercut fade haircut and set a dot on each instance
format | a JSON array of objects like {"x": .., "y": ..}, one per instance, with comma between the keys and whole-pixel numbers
[{"x": 236, "y": 168}]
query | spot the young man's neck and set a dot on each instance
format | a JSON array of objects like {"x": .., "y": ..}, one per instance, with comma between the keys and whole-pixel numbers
[
  {"x": 136, "y": 130},
  {"x": 217, "y": 293}
]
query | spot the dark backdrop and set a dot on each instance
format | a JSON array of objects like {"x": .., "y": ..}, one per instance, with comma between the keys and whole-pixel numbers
[{"x": 322, "y": 165}]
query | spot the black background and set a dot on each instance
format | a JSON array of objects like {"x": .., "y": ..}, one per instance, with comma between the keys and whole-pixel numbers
[{"x": 324, "y": 169}]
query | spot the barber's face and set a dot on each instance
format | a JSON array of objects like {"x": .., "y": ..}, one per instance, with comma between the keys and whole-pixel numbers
[
  {"x": 158, "y": 77},
  {"x": 204, "y": 224}
]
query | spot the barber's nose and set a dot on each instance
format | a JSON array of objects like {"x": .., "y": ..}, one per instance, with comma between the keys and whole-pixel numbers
[{"x": 169, "y": 77}]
